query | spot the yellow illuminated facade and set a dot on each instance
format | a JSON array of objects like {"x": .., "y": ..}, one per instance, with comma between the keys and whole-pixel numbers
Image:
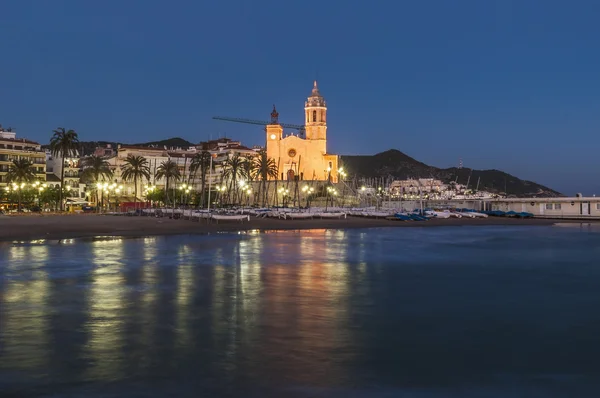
[
  {"x": 305, "y": 158},
  {"x": 13, "y": 148}
]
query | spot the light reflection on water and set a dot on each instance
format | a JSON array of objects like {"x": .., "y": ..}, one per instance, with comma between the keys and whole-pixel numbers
[{"x": 305, "y": 313}]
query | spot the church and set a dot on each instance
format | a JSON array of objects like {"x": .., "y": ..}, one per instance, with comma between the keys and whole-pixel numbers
[{"x": 305, "y": 158}]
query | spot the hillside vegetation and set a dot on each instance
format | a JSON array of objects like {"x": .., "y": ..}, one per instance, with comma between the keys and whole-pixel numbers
[{"x": 393, "y": 163}]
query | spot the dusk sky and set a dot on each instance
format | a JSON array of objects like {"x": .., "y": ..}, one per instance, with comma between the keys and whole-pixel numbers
[{"x": 509, "y": 85}]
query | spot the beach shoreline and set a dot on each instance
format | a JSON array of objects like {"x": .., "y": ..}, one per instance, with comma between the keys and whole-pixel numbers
[{"x": 53, "y": 227}]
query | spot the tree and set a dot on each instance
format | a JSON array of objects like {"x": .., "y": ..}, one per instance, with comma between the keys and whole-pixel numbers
[
  {"x": 233, "y": 170},
  {"x": 51, "y": 197},
  {"x": 62, "y": 144},
  {"x": 135, "y": 168},
  {"x": 168, "y": 170},
  {"x": 201, "y": 161},
  {"x": 20, "y": 173},
  {"x": 265, "y": 168},
  {"x": 249, "y": 172},
  {"x": 95, "y": 170}
]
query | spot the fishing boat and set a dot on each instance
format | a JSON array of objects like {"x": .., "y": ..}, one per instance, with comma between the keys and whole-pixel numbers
[
  {"x": 479, "y": 215},
  {"x": 466, "y": 214},
  {"x": 297, "y": 216},
  {"x": 331, "y": 215},
  {"x": 230, "y": 217}
]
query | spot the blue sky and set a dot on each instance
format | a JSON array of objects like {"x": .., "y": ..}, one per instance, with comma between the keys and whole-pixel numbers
[{"x": 510, "y": 85}]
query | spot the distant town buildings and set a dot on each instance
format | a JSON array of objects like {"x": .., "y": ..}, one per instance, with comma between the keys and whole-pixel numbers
[{"x": 432, "y": 188}]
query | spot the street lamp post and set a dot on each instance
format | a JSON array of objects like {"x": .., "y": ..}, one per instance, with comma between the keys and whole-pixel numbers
[
  {"x": 342, "y": 175},
  {"x": 185, "y": 189},
  {"x": 209, "y": 179}
]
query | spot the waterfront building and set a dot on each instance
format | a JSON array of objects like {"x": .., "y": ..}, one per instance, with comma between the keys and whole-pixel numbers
[
  {"x": 578, "y": 207},
  {"x": 54, "y": 166},
  {"x": 306, "y": 158},
  {"x": 220, "y": 149},
  {"x": 13, "y": 148}
]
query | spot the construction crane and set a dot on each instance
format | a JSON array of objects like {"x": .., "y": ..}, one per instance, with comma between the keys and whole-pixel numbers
[{"x": 274, "y": 120}]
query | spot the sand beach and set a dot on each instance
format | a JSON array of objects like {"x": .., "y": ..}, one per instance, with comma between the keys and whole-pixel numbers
[{"x": 36, "y": 226}]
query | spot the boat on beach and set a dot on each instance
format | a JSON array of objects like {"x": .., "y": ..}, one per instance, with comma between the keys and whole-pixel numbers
[
  {"x": 297, "y": 216},
  {"x": 331, "y": 215},
  {"x": 230, "y": 217}
]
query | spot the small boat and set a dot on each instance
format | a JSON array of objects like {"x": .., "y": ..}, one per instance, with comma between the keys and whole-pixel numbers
[
  {"x": 479, "y": 215},
  {"x": 298, "y": 216},
  {"x": 330, "y": 215},
  {"x": 200, "y": 214},
  {"x": 524, "y": 214},
  {"x": 441, "y": 214},
  {"x": 230, "y": 217},
  {"x": 376, "y": 214},
  {"x": 402, "y": 217}
]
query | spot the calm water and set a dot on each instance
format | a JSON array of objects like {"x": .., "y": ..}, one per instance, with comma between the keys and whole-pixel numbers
[{"x": 408, "y": 312}]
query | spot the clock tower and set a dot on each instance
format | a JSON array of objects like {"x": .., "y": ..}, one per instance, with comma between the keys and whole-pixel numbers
[{"x": 274, "y": 129}]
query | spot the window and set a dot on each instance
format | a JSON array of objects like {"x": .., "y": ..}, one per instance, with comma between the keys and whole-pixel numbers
[
  {"x": 557, "y": 206},
  {"x": 597, "y": 206},
  {"x": 548, "y": 206},
  {"x": 314, "y": 116}
]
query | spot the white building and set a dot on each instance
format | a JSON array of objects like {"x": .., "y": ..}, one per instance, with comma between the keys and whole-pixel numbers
[
  {"x": 220, "y": 149},
  {"x": 54, "y": 168},
  {"x": 578, "y": 207}
]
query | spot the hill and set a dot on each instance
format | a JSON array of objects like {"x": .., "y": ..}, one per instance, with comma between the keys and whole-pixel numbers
[
  {"x": 393, "y": 163},
  {"x": 88, "y": 147},
  {"x": 169, "y": 143}
]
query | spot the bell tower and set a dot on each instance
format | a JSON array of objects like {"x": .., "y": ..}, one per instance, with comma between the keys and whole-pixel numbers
[
  {"x": 274, "y": 130},
  {"x": 315, "y": 115}
]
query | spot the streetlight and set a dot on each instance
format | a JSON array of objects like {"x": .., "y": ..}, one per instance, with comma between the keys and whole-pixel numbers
[
  {"x": 248, "y": 192},
  {"x": 185, "y": 189}
]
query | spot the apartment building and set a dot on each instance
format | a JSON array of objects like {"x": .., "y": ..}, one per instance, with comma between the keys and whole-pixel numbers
[
  {"x": 54, "y": 167},
  {"x": 13, "y": 148},
  {"x": 221, "y": 149}
]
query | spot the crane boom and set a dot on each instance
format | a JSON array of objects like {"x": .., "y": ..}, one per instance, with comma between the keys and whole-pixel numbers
[{"x": 298, "y": 127}]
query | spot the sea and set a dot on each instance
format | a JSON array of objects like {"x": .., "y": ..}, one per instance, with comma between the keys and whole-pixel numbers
[{"x": 471, "y": 311}]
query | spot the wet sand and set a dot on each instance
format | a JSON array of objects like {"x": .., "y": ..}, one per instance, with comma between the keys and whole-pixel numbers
[{"x": 32, "y": 227}]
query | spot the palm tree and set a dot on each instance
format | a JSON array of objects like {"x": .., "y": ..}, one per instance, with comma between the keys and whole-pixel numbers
[
  {"x": 201, "y": 161},
  {"x": 95, "y": 169},
  {"x": 249, "y": 172},
  {"x": 168, "y": 170},
  {"x": 135, "y": 168},
  {"x": 63, "y": 143},
  {"x": 233, "y": 169},
  {"x": 265, "y": 168},
  {"x": 20, "y": 173}
]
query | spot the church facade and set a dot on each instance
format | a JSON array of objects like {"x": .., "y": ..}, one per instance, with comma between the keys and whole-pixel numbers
[{"x": 303, "y": 158}]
